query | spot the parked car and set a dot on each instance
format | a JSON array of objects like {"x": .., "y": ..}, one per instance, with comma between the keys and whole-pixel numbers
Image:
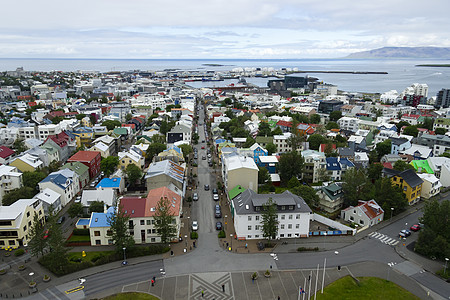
[
  {"x": 404, "y": 233},
  {"x": 61, "y": 220},
  {"x": 195, "y": 197},
  {"x": 209, "y": 155},
  {"x": 203, "y": 147},
  {"x": 218, "y": 212},
  {"x": 210, "y": 164},
  {"x": 204, "y": 157},
  {"x": 78, "y": 199},
  {"x": 415, "y": 227},
  {"x": 194, "y": 225},
  {"x": 215, "y": 195},
  {"x": 219, "y": 226},
  {"x": 206, "y": 187}
]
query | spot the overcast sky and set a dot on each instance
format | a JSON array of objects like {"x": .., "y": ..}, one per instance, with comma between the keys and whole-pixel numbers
[{"x": 217, "y": 28}]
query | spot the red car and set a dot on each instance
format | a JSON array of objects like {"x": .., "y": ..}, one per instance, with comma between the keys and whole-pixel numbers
[
  {"x": 415, "y": 227},
  {"x": 203, "y": 147}
]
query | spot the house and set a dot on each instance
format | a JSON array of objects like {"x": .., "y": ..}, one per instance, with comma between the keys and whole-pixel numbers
[
  {"x": 408, "y": 181},
  {"x": 422, "y": 166},
  {"x": 258, "y": 151},
  {"x": 49, "y": 198},
  {"x": 285, "y": 126},
  {"x": 431, "y": 185},
  {"x": 348, "y": 123},
  {"x": 109, "y": 141},
  {"x": 293, "y": 215},
  {"x": 356, "y": 142},
  {"x": 115, "y": 183},
  {"x": 239, "y": 170},
  {"x": 163, "y": 173},
  {"x": 179, "y": 133},
  {"x": 315, "y": 165},
  {"x": 102, "y": 148},
  {"x": 90, "y": 159},
  {"x": 27, "y": 163},
  {"x": 64, "y": 142},
  {"x": 439, "y": 143},
  {"x": 107, "y": 196},
  {"x": 62, "y": 183},
  {"x": 331, "y": 198},
  {"x": 6, "y": 155},
  {"x": 366, "y": 213},
  {"x": 16, "y": 221},
  {"x": 10, "y": 179},
  {"x": 417, "y": 152},
  {"x": 336, "y": 167},
  {"x": 82, "y": 171},
  {"x": 361, "y": 160},
  {"x": 269, "y": 162},
  {"x": 346, "y": 152},
  {"x": 100, "y": 229},
  {"x": 174, "y": 153},
  {"x": 399, "y": 145},
  {"x": 264, "y": 140},
  {"x": 282, "y": 142},
  {"x": 441, "y": 169},
  {"x": 131, "y": 157}
]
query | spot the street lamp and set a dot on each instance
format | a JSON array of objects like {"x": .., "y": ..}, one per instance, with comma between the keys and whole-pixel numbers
[
  {"x": 231, "y": 238},
  {"x": 445, "y": 268},
  {"x": 392, "y": 211},
  {"x": 31, "y": 275},
  {"x": 124, "y": 256}
]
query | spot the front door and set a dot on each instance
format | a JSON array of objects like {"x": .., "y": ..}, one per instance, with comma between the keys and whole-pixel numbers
[{"x": 143, "y": 236}]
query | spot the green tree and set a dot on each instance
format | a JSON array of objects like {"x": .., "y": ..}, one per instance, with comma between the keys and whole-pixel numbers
[
  {"x": 93, "y": 119},
  {"x": 383, "y": 148},
  {"x": 75, "y": 210},
  {"x": 19, "y": 146},
  {"x": 154, "y": 149},
  {"x": 24, "y": 192},
  {"x": 388, "y": 195},
  {"x": 110, "y": 124},
  {"x": 164, "y": 220},
  {"x": 276, "y": 131},
  {"x": 128, "y": 117},
  {"x": 293, "y": 182},
  {"x": 187, "y": 149},
  {"x": 227, "y": 101},
  {"x": 314, "y": 119},
  {"x": 374, "y": 171},
  {"x": 96, "y": 206},
  {"x": 264, "y": 129},
  {"x": 400, "y": 165},
  {"x": 263, "y": 175},
  {"x": 109, "y": 164},
  {"x": 307, "y": 193},
  {"x": 164, "y": 128},
  {"x": 440, "y": 131},
  {"x": 332, "y": 125},
  {"x": 119, "y": 224},
  {"x": 269, "y": 220},
  {"x": 411, "y": 130},
  {"x": 158, "y": 138},
  {"x": 37, "y": 242},
  {"x": 290, "y": 165},
  {"x": 352, "y": 186},
  {"x": 271, "y": 148},
  {"x": 427, "y": 123},
  {"x": 31, "y": 179},
  {"x": 249, "y": 142},
  {"x": 315, "y": 140},
  {"x": 56, "y": 241},
  {"x": 57, "y": 119},
  {"x": 401, "y": 124},
  {"x": 54, "y": 166},
  {"x": 134, "y": 173},
  {"x": 335, "y": 115}
]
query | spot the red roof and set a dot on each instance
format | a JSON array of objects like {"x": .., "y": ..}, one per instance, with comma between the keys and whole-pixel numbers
[
  {"x": 324, "y": 146},
  {"x": 129, "y": 125},
  {"x": 60, "y": 139},
  {"x": 57, "y": 113},
  {"x": 5, "y": 152},
  {"x": 31, "y": 104},
  {"x": 371, "y": 208},
  {"x": 388, "y": 165},
  {"x": 163, "y": 192},
  {"x": 86, "y": 156},
  {"x": 284, "y": 123},
  {"x": 134, "y": 207}
]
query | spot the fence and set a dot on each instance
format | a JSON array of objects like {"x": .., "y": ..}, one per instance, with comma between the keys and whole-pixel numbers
[{"x": 338, "y": 228}]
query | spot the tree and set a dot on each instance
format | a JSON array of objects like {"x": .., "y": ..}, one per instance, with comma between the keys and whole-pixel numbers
[
  {"x": 96, "y": 206},
  {"x": 440, "y": 131},
  {"x": 248, "y": 142},
  {"x": 164, "y": 127},
  {"x": 388, "y": 195},
  {"x": 335, "y": 115},
  {"x": 128, "y": 117},
  {"x": 57, "y": 119},
  {"x": 293, "y": 182},
  {"x": 411, "y": 130},
  {"x": 269, "y": 220},
  {"x": 315, "y": 140},
  {"x": 24, "y": 192},
  {"x": 263, "y": 175},
  {"x": 110, "y": 124},
  {"x": 271, "y": 148},
  {"x": 400, "y": 165},
  {"x": 332, "y": 125},
  {"x": 314, "y": 119},
  {"x": 290, "y": 165},
  {"x": 401, "y": 124},
  {"x": 187, "y": 149},
  {"x": 54, "y": 166},
  {"x": 134, "y": 173},
  {"x": 56, "y": 242},
  {"x": 154, "y": 149},
  {"x": 353, "y": 182},
  {"x": 307, "y": 193},
  {"x": 37, "y": 242},
  {"x": 158, "y": 138},
  {"x": 383, "y": 148},
  {"x": 109, "y": 164},
  {"x": 374, "y": 171},
  {"x": 31, "y": 179},
  {"x": 76, "y": 209},
  {"x": 118, "y": 222},
  {"x": 164, "y": 220},
  {"x": 93, "y": 119},
  {"x": 276, "y": 131},
  {"x": 264, "y": 129},
  {"x": 427, "y": 123},
  {"x": 227, "y": 101},
  {"x": 19, "y": 146}
]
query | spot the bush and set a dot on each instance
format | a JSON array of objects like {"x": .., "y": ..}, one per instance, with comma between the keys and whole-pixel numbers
[
  {"x": 77, "y": 231},
  {"x": 19, "y": 252},
  {"x": 194, "y": 235},
  {"x": 301, "y": 249},
  {"x": 221, "y": 234}
]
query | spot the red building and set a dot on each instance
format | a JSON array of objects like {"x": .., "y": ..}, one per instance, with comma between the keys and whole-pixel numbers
[{"x": 90, "y": 159}]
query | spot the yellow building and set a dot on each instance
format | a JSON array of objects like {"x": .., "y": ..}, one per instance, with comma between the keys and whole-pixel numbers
[
  {"x": 17, "y": 220},
  {"x": 409, "y": 182},
  {"x": 27, "y": 163},
  {"x": 131, "y": 157},
  {"x": 84, "y": 136}
]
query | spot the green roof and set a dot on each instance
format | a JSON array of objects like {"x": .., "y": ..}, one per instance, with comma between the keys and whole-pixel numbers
[
  {"x": 422, "y": 166},
  {"x": 235, "y": 191},
  {"x": 77, "y": 167},
  {"x": 442, "y": 121},
  {"x": 49, "y": 148},
  {"x": 264, "y": 139},
  {"x": 121, "y": 131},
  {"x": 272, "y": 124},
  {"x": 366, "y": 118},
  {"x": 369, "y": 139}
]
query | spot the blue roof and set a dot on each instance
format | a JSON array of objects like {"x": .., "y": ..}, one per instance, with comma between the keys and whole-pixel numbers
[
  {"x": 109, "y": 183},
  {"x": 83, "y": 222},
  {"x": 59, "y": 179},
  {"x": 178, "y": 149},
  {"x": 345, "y": 161},
  {"x": 333, "y": 164},
  {"x": 219, "y": 141},
  {"x": 100, "y": 219}
]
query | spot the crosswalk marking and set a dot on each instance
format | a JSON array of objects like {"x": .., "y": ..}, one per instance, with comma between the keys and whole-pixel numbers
[{"x": 385, "y": 239}]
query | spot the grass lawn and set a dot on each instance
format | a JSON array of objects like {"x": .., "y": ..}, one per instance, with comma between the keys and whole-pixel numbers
[
  {"x": 369, "y": 288},
  {"x": 80, "y": 238},
  {"x": 89, "y": 255},
  {"x": 134, "y": 296}
]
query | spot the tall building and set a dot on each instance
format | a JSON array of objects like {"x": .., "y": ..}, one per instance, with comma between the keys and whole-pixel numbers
[{"x": 443, "y": 98}]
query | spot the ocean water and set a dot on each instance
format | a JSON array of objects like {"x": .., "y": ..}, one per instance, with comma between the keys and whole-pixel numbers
[{"x": 401, "y": 72}]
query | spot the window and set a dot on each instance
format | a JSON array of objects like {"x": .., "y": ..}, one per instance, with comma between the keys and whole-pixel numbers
[
  {"x": 11, "y": 242},
  {"x": 282, "y": 235},
  {"x": 283, "y": 217},
  {"x": 25, "y": 228},
  {"x": 96, "y": 233},
  {"x": 256, "y": 236},
  {"x": 249, "y": 236},
  {"x": 148, "y": 222},
  {"x": 290, "y": 217},
  {"x": 249, "y": 218},
  {"x": 297, "y": 216},
  {"x": 297, "y": 226},
  {"x": 289, "y": 235},
  {"x": 149, "y": 231},
  {"x": 109, "y": 233},
  {"x": 142, "y": 222},
  {"x": 249, "y": 227},
  {"x": 110, "y": 242},
  {"x": 361, "y": 222},
  {"x": 256, "y": 227},
  {"x": 256, "y": 218},
  {"x": 153, "y": 231},
  {"x": 351, "y": 218},
  {"x": 28, "y": 214},
  {"x": 283, "y": 207},
  {"x": 289, "y": 226},
  {"x": 29, "y": 223},
  {"x": 98, "y": 242},
  {"x": 153, "y": 240},
  {"x": 282, "y": 226}
]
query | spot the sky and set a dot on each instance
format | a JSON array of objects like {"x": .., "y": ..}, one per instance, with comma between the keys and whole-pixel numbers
[{"x": 217, "y": 29}]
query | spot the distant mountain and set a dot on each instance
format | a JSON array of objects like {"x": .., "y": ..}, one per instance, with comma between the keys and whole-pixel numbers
[{"x": 404, "y": 52}]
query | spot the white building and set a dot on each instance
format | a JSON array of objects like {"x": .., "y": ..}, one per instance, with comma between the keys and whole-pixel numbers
[
  {"x": 49, "y": 198},
  {"x": 281, "y": 141},
  {"x": 45, "y": 130},
  {"x": 431, "y": 185},
  {"x": 10, "y": 179},
  {"x": 365, "y": 214},
  {"x": 293, "y": 215},
  {"x": 239, "y": 170},
  {"x": 348, "y": 123}
]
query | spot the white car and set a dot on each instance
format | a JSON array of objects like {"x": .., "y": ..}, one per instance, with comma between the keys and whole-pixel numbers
[
  {"x": 216, "y": 197},
  {"x": 195, "y": 197},
  {"x": 194, "y": 225}
]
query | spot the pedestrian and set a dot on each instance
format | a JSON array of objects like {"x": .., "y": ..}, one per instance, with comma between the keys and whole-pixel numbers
[
  {"x": 223, "y": 288},
  {"x": 253, "y": 280},
  {"x": 153, "y": 282},
  {"x": 278, "y": 297},
  {"x": 203, "y": 293}
]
